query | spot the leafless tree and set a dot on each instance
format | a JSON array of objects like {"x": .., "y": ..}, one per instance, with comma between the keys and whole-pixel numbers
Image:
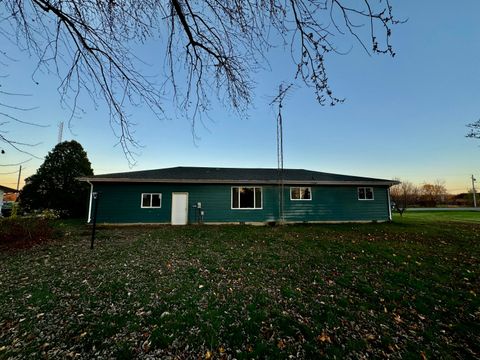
[
  {"x": 404, "y": 195},
  {"x": 433, "y": 194},
  {"x": 210, "y": 45},
  {"x": 474, "y": 131}
]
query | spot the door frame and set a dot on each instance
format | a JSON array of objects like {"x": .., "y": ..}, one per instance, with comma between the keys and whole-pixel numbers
[{"x": 186, "y": 207}]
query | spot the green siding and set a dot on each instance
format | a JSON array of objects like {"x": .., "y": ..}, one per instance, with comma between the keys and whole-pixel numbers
[
  {"x": 337, "y": 203},
  {"x": 121, "y": 203}
]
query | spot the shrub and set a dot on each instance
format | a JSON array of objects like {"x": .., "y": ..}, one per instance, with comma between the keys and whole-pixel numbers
[
  {"x": 50, "y": 214},
  {"x": 25, "y": 231}
]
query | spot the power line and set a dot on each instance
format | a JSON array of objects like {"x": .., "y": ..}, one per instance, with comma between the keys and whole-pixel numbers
[
  {"x": 17, "y": 164},
  {"x": 9, "y": 173}
]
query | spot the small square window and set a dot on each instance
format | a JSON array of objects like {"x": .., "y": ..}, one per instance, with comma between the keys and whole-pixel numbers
[
  {"x": 151, "y": 200},
  {"x": 365, "y": 193},
  {"x": 300, "y": 193}
]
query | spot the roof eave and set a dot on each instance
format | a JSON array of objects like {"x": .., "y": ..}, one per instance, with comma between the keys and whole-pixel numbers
[
  {"x": 7, "y": 189},
  {"x": 244, "y": 181}
]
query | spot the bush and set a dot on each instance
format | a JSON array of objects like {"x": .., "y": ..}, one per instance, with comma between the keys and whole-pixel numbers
[
  {"x": 50, "y": 214},
  {"x": 25, "y": 231}
]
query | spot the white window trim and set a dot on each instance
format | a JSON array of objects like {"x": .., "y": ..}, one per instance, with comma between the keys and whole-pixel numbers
[
  {"x": 240, "y": 208},
  {"x": 300, "y": 187},
  {"x": 150, "y": 207},
  {"x": 365, "y": 187}
]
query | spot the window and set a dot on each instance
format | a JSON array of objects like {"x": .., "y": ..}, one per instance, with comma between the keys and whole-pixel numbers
[
  {"x": 365, "y": 193},
  {"x": 246, "y": 197},
  {"x": 300, "y": 193},
  {"x": 151, "y": 200}
]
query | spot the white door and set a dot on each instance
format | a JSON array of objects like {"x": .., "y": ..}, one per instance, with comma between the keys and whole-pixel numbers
[{"x": 179, "y": 208}]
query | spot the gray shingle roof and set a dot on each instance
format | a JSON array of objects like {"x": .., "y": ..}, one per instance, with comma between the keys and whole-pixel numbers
[{"x": 183, "y": 174}]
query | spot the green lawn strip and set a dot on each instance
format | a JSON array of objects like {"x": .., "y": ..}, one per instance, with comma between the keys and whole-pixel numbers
[
  {"x": 349, "y": 290},
  {"x": 439, "y": 216}
]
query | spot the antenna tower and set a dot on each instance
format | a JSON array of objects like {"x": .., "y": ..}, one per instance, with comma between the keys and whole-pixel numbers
[
  {"x": 281, "y": 180},
  {"x": 60, "y": 132}
]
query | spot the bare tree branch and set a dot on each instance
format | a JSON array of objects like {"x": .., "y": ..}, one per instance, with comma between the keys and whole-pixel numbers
[
  {"x": 474, "y": 130},
  {"x": 212, "y": 48}
]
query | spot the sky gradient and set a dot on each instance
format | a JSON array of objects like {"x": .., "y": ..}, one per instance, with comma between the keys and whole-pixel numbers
[{"x": 402, "y": 118}]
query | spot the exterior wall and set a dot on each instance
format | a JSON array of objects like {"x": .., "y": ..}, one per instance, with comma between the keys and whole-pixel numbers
[
  {"x": 121, "y": 203},
  {"x": 337, "y": 203}
]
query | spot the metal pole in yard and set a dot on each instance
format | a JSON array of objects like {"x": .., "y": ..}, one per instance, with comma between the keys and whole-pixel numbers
[
  {"x": 473, "y": 191},
  {"x": 95, "y": 196}
]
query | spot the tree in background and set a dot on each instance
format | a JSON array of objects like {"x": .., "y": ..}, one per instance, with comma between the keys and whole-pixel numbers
[
  {"x": 54, "y": 185},
  {"x": 404, "y": 195},
  {"x": 209, "y": 48},
  {"x": 470, "y": 197},
  {"x": 474, "y": 130},
  {"x": 433, "y": 194}
]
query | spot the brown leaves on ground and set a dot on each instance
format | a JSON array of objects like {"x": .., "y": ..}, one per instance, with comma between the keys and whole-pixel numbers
[{"x": 349, "y": 291}]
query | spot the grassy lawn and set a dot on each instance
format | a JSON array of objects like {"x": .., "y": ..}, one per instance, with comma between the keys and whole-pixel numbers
[
  {"x": 441, "y": 216},
  {"x": 408, "y": 289}
]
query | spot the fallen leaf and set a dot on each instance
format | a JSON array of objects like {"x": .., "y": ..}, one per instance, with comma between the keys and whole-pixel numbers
[
  {"x": 324, "y": 337},
  {"x": 281, "y": 345},
  {"x": 422, "y": 354},
  {"x": 146, "y": 345},
  {"x": 398, "y": 319},
  {"x": 208, "y": 355}
]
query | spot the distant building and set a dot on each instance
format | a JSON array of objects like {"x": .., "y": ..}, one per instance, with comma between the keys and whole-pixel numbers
[{"x": 7, "y": 194}]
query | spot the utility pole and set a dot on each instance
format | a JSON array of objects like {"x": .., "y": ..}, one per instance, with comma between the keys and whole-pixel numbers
[
  {"x": 19, "y": 174},
  {"x": 473, "y": 191}
]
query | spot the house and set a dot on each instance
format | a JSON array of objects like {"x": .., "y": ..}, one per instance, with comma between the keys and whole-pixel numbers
[
  {"x": 4, "y": 190},
  {"x": 184, "y": 195}
]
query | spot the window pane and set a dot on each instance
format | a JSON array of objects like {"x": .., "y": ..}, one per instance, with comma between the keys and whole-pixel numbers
[
  {"x": 295, "y": 193},
  {"x": 146, "y": 198},
  {"x": 155, "y": 200},
  {"x": 235, "y": 198},
  {"x": 361, "y": 193},
  {"x": 246, "y": 198},
  {"x": 306, "y": 193},
  {"x": 258, "y": 198},
  {"x": 369, "y": 193}
]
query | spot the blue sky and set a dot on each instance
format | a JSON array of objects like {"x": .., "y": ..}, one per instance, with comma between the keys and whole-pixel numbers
[{"x": 403, "y": 117}]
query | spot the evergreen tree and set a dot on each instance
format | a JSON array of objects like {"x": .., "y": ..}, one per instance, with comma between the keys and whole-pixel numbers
[{"x": 55, "y": 185}]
